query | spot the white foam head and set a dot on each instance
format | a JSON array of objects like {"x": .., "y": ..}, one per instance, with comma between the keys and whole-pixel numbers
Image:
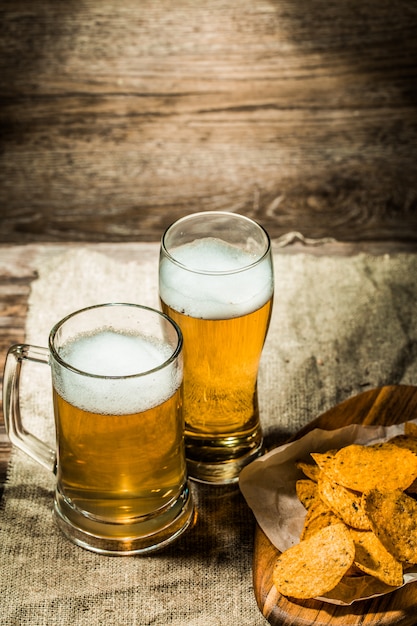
[
  {"x": 215, "y": 280},
  {"x": 105, "y": 355}
]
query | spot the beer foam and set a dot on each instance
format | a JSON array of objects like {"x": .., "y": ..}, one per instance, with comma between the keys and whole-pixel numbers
[
  {"x": 213, "y": 255},
  {"x": 204, "y": 289},
  {"x": 108, "y": 354}
]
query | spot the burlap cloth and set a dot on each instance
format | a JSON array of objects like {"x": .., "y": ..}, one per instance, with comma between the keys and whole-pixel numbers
[{"x": 340, "y": 326}]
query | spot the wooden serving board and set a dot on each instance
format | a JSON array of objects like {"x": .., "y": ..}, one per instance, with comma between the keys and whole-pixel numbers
[{"x": 384, "y": 406}]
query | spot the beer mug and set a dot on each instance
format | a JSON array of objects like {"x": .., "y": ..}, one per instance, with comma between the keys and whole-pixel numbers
[
  {"x": 121, "y": 483},
  {"x": 216, "y": 281}
]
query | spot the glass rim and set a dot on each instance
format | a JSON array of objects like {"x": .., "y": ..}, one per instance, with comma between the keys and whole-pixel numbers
[
  {"x": 57, "y": 357},
  {"x": 191, "y": 216}
]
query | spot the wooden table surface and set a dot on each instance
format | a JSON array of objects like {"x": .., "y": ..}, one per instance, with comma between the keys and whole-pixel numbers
[
  {"x": 18, "y": 270},
  {"x": 117, "y": 116}
]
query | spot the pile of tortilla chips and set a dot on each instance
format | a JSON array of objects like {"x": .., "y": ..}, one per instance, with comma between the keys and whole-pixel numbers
[{"x": 361, "y": 518}]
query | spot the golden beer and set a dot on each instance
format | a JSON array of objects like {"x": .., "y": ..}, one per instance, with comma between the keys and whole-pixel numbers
[
  {"x": 120, "y": 467},
  {"x": 222, "y": 360},
  {"x": 220, "y": 294}
]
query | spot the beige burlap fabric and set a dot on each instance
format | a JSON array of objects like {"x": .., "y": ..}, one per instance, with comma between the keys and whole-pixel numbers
[{"x": 340, "y": 326}]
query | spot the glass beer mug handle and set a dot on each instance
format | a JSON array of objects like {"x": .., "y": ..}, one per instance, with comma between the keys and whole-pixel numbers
[{"x": 18, "y": 435}]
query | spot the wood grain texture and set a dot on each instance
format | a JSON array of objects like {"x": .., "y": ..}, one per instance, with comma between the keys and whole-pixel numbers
[
  {"x": 118, "y": 117},
  {"x": 387, "y": 405}
]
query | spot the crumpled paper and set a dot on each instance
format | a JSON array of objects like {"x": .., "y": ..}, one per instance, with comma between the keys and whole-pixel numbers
[{"x": 268, "y": 486}]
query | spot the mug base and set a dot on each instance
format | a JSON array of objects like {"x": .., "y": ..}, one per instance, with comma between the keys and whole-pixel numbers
[
  {"x": 219, "y": 461},
  {"x": 143, "y": 537}
]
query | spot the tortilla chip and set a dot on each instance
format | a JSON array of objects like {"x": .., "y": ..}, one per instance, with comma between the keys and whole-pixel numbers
[
  {"x": 310, "y": 470},
  {"x": 412, "y": 489},
  {"x": 405, "y": 441},
  {"x": 410, "y": 429},
  {"x": 323, "y": 458},
  {"x": 315, "y": 566},
  {"x": 362, "y": 468},
  {"x": 306, "y": 491},
  {"x": 393, "y": 518},
  {"x": 345, "y": 503},
  {"x": 371, "y": 557},
  {"x": 318, "y": 516}
]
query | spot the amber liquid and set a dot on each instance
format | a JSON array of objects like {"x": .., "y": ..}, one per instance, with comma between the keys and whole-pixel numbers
[
  {"x": 221, "y": 361},
  {"x": 119, "y": 468}
]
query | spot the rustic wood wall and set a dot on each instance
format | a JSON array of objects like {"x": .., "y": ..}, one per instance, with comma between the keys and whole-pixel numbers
[{"x": 117, "y": 116}]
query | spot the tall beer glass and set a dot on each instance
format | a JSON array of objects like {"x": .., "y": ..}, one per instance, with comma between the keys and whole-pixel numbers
[
  {"x": 216, "y": 281},
  {"x": 117, "y": 392}
]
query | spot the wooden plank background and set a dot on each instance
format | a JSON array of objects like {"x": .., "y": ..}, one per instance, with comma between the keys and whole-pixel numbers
[{"x": 117, "y": 117}]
